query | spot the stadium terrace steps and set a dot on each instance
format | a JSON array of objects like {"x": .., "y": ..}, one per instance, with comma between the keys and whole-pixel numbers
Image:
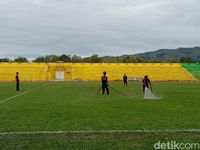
[
  {"x": 156, "y": 71},
  {"x": 28, "y": 71},
  {"x": 193, "y": 69},
  {"x": 93, "y": 71}
]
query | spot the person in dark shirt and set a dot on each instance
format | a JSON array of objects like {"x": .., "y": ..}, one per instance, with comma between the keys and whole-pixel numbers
[
  {"x": 104, "y": 81},
  {"x": 17, "y": 81},
  {"x": 146, "y": 83},
  {"x": 125, "y": 80}
]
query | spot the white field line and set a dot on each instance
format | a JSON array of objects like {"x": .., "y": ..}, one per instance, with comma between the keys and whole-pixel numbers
[
  {"x": 100, "y": 132},
  {"x": 23, "y": 93}
]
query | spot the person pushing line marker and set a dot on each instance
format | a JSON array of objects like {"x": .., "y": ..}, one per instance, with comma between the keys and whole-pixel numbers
[{"x": 147, "y": 89}]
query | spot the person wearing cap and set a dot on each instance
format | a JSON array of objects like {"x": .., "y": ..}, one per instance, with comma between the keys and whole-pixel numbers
[{"x": 104, "y": 81}]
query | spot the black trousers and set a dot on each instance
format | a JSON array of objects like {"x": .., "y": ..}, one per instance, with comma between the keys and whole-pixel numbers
[
  {"x": 105, "y": 87},
  {"x": 125, "y": 83},
  {"x": 17, "y": 86}
]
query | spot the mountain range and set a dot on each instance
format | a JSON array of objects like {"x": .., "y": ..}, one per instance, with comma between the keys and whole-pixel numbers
[{"x": 175, "y": 54}]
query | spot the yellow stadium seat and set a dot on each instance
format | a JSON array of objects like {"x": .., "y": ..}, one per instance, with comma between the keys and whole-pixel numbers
[{"x": 93, "y": 71}]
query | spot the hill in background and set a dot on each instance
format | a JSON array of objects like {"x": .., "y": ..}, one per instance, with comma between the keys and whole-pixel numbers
[
  {"x": 182, "y": 55},
  {"x": 175, "y": 54}
]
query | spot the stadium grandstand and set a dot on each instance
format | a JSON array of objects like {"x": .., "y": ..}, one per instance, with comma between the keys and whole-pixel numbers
[
  {"x": 93, "y": 71},
  {"x": 28, "y": 71}
]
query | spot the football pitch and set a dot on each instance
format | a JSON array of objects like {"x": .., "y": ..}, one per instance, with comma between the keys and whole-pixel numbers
[{"x": 70, "y": 115}]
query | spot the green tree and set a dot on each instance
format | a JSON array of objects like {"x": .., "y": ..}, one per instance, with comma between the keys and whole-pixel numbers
[
  {"x": 76, "y": 58},
  {"x": 65, "y": 58},
  {"x": 5, "y": 59},
  {"x": 131, "y": 59},
  {"x": 40, "y": 59},
  {"x": 186, "y": 60},
  {"x": 95, "y": 59},
  {"x": 170, "y": 61},
  {"x": 92, "y": 59},
  {"x": 21, "y": 59},
  {"x": 52, "y": 58}
]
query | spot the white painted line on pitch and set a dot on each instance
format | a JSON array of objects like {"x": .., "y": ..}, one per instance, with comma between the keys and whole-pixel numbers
[
  {"x": 12, "y": 97},
  {"x": 99, "y": 132}
]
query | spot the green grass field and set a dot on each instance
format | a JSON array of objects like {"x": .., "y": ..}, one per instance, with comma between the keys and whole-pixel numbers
[{"x": 75, "y": 106}]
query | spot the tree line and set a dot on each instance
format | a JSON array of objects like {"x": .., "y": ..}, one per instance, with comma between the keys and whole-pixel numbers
[{"x": 96, "y": 59}]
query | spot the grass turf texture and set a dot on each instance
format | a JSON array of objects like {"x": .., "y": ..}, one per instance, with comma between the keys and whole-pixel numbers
[
  {"x": 74, "y": 106},
  {"x": 134, "y": 141}
]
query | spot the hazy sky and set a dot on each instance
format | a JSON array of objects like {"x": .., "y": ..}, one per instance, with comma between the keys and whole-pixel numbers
[{"x": 106, "y": 27}]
